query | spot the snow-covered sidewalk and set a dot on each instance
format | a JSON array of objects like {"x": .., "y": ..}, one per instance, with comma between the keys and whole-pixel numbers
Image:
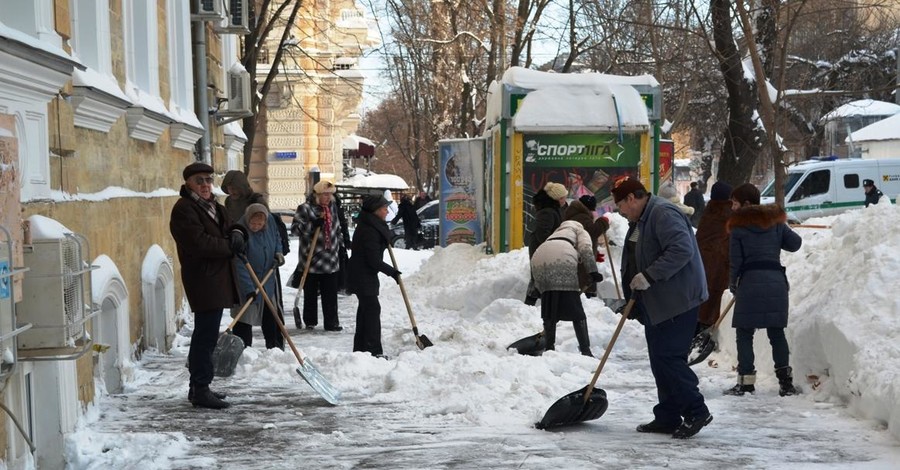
[{"x": 467, "y": 402}]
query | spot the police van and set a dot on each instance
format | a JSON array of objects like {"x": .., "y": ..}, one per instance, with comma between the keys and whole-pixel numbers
[{"x": 828, "y": 186}]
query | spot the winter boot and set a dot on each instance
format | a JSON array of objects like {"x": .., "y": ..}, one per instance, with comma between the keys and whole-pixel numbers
[
  {"x": 550, "y": 336},
  {"x": 786, "y": 382},
  {"x": 584, "y": 341},
  {"x": 219, "y": 395},
  {"x": 744, "y": 385},
  {"x": 204, "y": 398}
]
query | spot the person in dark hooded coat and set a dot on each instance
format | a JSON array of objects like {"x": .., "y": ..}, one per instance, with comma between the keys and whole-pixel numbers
[
  {"x": 411, "y": 223},
  {"x": 760, "y": 284},
  {"x": 547, "y": 218},
  {"x": 370, "y": 239}
]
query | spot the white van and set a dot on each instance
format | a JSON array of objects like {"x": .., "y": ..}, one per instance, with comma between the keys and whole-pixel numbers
[{"x": 820, "y": 187}]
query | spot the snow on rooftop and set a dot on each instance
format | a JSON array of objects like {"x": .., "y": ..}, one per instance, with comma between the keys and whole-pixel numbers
[
  {"x": 885, "y": 129},
  {"x": 373, "y": 180},
  {"x": 45, "y": 228},
  {"x": 865, "y": 107},
  {"x": 535, "y": 79},
  {"x": 595, "y": 108}
]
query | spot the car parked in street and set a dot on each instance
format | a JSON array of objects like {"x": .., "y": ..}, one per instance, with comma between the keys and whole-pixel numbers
[{"x": 428, "y": 229}]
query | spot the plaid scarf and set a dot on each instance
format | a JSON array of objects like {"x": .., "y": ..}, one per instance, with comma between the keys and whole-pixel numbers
[
  {"x": 326, "y": 214},
  {"x": 209, "y": 205}
]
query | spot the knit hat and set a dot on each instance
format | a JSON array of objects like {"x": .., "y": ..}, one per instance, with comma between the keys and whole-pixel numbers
[
  {"x": 589, "y": 201},
  {"x": 556, "y": 190},
  {"x": 324, "y": 187},
  {"x": 195, "y": 168},
  {"x": 373, "y": 203},
  {"x": 746, "y": 193},
  {"x": 868, "y": 182},
  {"x": 253, "y": 209},
  {"x": 720, "y": 191},
  {"x": 625, "y": 186},
  {"x": 667, "y": 191}
]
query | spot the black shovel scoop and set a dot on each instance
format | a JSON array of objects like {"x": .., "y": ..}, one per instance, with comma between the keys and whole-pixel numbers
[
  {"x": 703, "y": 344},
  {"x": 588, "y": 403}
]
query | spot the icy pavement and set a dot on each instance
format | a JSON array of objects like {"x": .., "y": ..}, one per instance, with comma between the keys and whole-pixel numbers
[{"x": 464, "y": 403}]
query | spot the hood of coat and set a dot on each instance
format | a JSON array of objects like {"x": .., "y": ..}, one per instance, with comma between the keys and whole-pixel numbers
[
  {"x": 760, "y": 216},
  {"x": 542, "y": 200},
  {"x": 375, "y": 222},
  {"x": 236, "y": 181}
]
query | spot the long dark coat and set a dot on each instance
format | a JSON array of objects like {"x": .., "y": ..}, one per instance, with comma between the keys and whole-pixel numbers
[
  {"x": 370, "y": 239},
  {"x": 713, "y": 239},
  {"x": 204, "y": 253},
  {"x": 546, "y": 220},
  {"x": 758, "y": 234}
]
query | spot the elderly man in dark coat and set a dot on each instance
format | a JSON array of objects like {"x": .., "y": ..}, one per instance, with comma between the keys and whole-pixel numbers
[
  {"x": 759, "y": 284},
  {"x": 370, "y": 239},
  {"x": 668, "y": 284},
  {"x": 206, "y": 242}
]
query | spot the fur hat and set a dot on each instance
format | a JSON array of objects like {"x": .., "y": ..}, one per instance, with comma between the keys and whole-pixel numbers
[
  {"x": 589, "y": 201},
  {"x": 324, "y": 187},
  {"x": 195, "y": 168},
  {"x": 625, "y": 186},
  {"x": 746, "y": 193},
  {"x": 556, "y": 190},
  {"x": 373, "y": 203},
  {"x": 720, "y": 191}
]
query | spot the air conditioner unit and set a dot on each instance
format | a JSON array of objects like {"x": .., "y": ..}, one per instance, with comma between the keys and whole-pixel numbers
[
  {"x": 54, "y": 297},
  {"x": 239, "y": 104},
  {"x": 236, "y": 18},
  {"x": 208, "y": 10}
]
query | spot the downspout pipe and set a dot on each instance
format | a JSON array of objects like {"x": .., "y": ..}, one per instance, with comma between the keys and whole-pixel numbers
[{"x": 201, "y": 94}]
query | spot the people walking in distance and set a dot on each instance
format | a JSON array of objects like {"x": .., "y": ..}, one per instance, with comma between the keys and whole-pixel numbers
[
  {"x": 694, "y": 198},
  {"x": 667, "y": 283},
  {"x": 759, "y": 283}
]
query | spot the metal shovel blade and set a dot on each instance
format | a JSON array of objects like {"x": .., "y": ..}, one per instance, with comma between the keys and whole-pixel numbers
[
  {"x": 701, "y": 347},
  {"x": 423, "y": 342},
  {"x": 315, "y": 380},
  {"x": 227, "y": 354},
  {"x": 533, "y": 345},
  {"x": 572, "y": 409},
  {"x": 616, "y": 305}
]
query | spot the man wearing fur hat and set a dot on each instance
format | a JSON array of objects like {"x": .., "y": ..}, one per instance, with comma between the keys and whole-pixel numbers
[
  {"x": 206, "y": 241},
  {"x": 321, "y": 216},
  {"x": 668, "y": 285}
]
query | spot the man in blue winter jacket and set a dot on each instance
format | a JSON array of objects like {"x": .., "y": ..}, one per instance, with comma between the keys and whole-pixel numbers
[{"x": 667, "y": 280}]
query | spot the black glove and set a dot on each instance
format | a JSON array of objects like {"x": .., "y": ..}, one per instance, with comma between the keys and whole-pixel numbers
[
  {"x": 250, "y": 297},
  {"x": 318, "y": 223},
  {"x": 531, "y": 301},
  {"x": 279, "y": 259},
  {"x": 238, "y": 242},
  {"x": 596, "y": 277},
  {"x": 396, "y": 275}
]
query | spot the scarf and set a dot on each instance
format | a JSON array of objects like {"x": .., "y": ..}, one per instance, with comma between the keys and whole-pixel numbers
[
  {"x": 209, "y": 205},
  {"x": 326, "y": 214}
]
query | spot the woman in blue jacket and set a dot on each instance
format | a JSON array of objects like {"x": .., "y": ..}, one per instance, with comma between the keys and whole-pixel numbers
[{"x": 759, "y": 284}]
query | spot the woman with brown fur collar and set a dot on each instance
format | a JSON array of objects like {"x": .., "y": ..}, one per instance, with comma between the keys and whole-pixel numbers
[{"x": 759, "y": 284}]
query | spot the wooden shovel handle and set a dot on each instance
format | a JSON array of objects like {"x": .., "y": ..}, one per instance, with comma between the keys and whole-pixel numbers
[
  {"x": 412, "y": 318},
  {"x": 724, "y": 314},
  {"x": 309, "y": 257},
  {"x": 808, "y": 226},
  {"x": 274, "y": 311},
  {"x": 248, "y": 302},
  {"x": 612, "y": 267},
  {"x": 612, "y": 341}
]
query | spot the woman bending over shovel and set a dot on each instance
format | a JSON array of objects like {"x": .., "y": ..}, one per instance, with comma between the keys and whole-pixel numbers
[
  {"x": 554, "y": 268},
  {"x": 263, "y": 253}
]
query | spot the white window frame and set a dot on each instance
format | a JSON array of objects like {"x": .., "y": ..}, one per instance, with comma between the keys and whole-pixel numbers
[
  {"x": 148, "y": 118},
  {"x": 234, "y": 135},
  {"x": 188, "y": 130},
  {"x": 34, "y": 17}
]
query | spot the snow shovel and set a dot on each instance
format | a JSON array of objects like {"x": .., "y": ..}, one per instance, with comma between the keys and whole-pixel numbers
[
  {"x": 588, "y": 403},
  {"x": 309, "y": 256},
  {"x": 229, "y": 347},
  {"x": 307, "y": 369},
  {"x": 703, "y": 344},
  {"x": 533, "y": 345},
  {"x": 422, "y": 341}
]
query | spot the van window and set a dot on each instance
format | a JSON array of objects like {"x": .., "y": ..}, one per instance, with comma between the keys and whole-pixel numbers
[
  {"x": 851, "y": 181},
  {"x": 789, "y": 183},
  {"x": 815, "y": 183}
]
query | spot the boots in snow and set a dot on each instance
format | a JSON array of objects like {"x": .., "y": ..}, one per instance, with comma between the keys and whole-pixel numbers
[
  {"x": 550, "y": 335},
  {"x": 786, "y": 382},
  {"x": 204, "y": 398},
  {"x": 219, "y": 395},
  {"x": 584, "y": 341},
  {"x": 744, "y": 385}
]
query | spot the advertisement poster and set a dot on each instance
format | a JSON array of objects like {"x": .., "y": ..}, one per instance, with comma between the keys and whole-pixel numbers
[
  {"x": 462, "y": 191},
  {"x": 586, "y": 164},
  {"x": 666, "y": 161}
]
